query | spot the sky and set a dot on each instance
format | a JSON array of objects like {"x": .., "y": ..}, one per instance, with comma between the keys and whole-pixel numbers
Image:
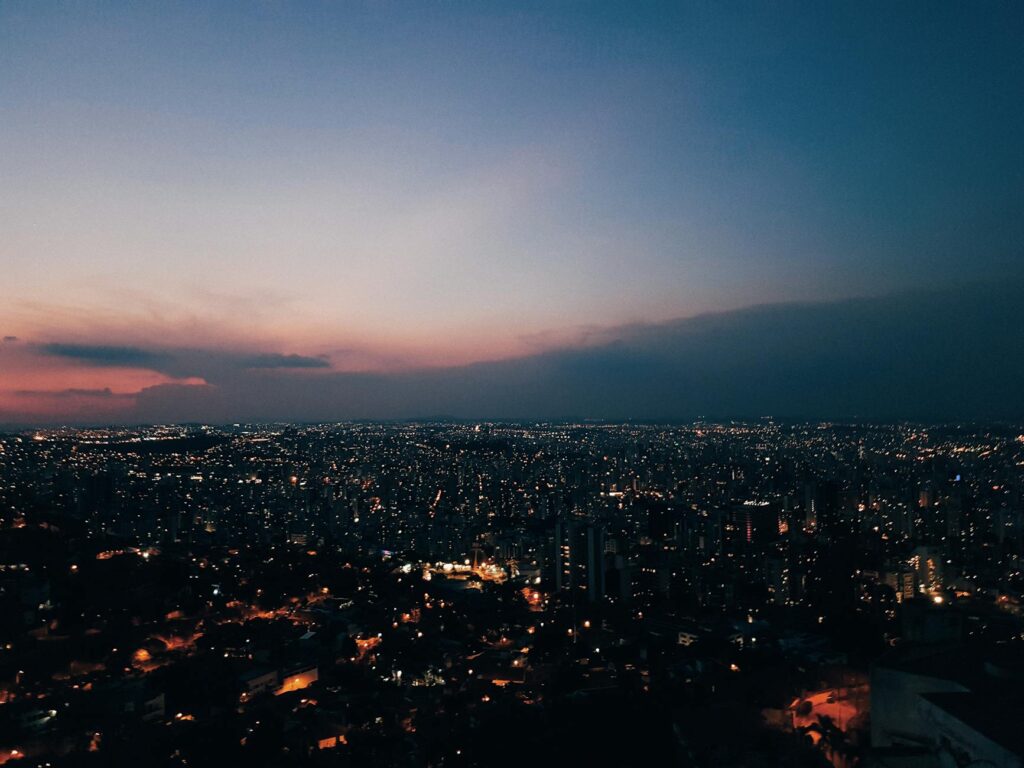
[{"x": 275, "y": 210}]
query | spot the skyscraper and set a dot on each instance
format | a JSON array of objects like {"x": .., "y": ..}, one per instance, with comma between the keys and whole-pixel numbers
[{"x": 579, "y": 560}]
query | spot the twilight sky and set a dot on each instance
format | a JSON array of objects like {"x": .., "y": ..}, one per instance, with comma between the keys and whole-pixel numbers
[{"x": 312, "y": 210}]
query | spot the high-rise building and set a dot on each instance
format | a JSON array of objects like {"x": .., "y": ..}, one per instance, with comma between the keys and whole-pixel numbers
[{"x": 579, "y": 559}]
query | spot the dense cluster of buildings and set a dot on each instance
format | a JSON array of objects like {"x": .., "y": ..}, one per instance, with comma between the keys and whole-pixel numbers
[{"x": 443, "y": 594}]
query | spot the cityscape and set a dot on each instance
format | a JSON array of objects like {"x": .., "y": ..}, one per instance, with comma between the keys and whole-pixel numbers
[
  {"x": 490, "y": 384},
  {"x": 419, "y": 593}
]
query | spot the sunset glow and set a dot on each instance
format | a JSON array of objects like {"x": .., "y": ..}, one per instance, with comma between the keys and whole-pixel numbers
[{"x": 391, "y": 189}]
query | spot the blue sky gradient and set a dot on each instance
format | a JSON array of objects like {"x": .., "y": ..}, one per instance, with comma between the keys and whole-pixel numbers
[{"x": 386, "y": 186}]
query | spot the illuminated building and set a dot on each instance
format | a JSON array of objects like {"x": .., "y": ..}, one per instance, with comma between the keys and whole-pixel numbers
[{"x": 579, "y": 560}]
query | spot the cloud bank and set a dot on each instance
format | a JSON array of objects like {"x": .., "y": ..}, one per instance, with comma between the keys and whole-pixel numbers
[
  {"x": 953, "y": 354},
  {"x": 950, "y": 354}
]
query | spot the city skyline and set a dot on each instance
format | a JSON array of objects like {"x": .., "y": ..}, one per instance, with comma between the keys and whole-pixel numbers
[
  {"x": 273, "y": 211},
  {"x": 816, "y": 595}
]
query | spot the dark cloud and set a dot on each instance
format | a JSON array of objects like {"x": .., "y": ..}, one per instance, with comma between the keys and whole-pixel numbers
[
  {"x": 105, "y": 355},
  {"x": 9, "y": 339},
  {"x": 183, "y": 362},
  {"x": 955, "y": 354},
  {"x": 96, "y": 394},
  {"x": 285, "y": 361}
]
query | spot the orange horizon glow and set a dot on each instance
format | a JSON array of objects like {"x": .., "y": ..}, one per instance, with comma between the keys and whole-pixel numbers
[{"x": 37, "y": 386}]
